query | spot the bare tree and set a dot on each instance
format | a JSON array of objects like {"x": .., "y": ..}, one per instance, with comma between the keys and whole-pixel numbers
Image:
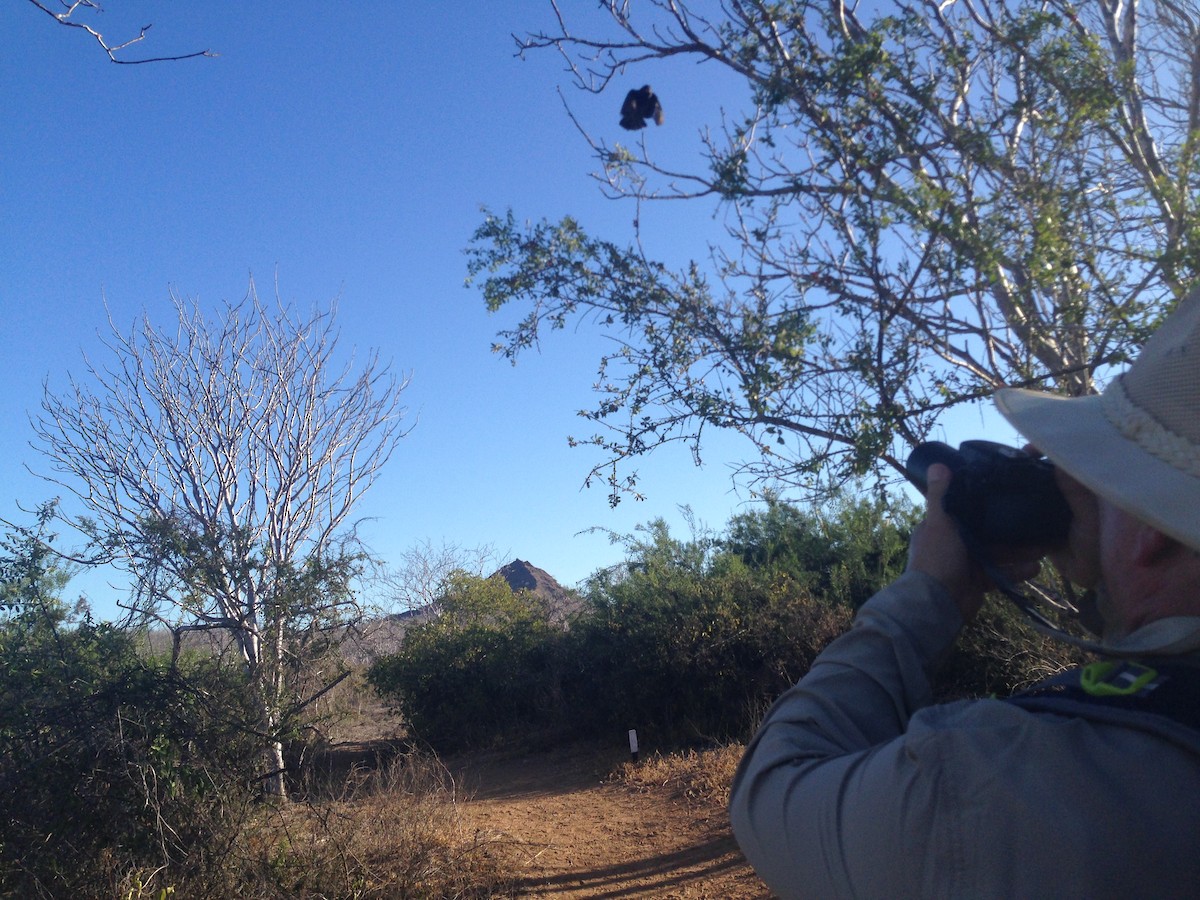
[
  {"x": 219, "y": 462},
  {"x": 924, "y": 201},
  {"x": 65, "y": 15},
  {"x": 425, "y": 570}
]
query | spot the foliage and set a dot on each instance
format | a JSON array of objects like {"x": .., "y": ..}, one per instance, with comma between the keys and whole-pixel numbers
[
  {"x": 477, "y": 671},
  {"x": 694, "y": 639},
  {"x": 129, "y": 776},
  {"x": 113, "y": 767},
  {"x": 690, "y": 652},
  {"x": 924, "y": 202},
  {"x": 842, "y": 554},
  {"x": 685, "y": 640}
]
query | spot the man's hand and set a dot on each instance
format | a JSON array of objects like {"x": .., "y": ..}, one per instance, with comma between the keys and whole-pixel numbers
[{"x": 937, "y": 549}]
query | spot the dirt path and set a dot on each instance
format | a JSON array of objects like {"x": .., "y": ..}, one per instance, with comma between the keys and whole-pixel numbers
[{"x": 584, "y": 835}]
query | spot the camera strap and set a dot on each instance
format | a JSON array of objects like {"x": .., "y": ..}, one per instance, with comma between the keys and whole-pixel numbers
[
  {"x": 1170, "y": 636},
  {"x": 1028, "y": 607}
]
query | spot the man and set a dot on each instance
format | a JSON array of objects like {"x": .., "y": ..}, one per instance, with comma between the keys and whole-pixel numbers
[{"x": 855, "y": 786}]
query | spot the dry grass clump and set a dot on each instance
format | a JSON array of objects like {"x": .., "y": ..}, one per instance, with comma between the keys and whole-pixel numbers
[
  {"x": 700, "y": 778},
  {"x": 395, "y": 832}
]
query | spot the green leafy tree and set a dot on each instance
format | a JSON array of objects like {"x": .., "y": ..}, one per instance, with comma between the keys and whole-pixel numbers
[
  {"x": 925, "y": 201},
  {"x": 842, "y": 552},
  {"x": 219, "y": 461}
]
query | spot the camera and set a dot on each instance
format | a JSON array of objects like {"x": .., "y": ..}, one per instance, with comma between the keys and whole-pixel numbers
[{"x": 999, "y": 495}]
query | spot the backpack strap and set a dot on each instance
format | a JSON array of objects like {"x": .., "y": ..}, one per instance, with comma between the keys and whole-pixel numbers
[{"x": 1163, "y": 699}]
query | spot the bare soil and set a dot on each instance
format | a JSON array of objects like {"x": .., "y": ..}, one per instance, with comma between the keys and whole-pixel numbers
[
  {"x": 579, "y": 830},
  {"x": 583, "y": 833}
]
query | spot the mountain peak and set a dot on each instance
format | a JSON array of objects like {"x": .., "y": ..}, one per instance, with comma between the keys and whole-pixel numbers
[{"x": 522, "y": 575}]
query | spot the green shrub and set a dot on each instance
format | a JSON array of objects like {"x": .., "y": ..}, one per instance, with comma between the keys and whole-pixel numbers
[
  {"x": 115, "y": 771},
  {"x": 479, "y": 671},
  {"x": 697, "y": 658},
  {"x": 842, "y": 553},
  {"x": 685, "y": 640},
  {"x": 111, "y": 766}
]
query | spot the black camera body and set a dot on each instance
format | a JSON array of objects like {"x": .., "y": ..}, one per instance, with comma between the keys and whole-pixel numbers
[{"x": 999, "y": 495}]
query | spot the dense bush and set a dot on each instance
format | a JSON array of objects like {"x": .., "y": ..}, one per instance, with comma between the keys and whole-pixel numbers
[
  {"x": 111, "y": 767},
  {"x": 842, "y": 554},
  {"x": 478, "y": 671},
  {"x": 123, "y": 778},
  {"x": 128, "y": 775},
  {"x": 115, "y": 770},
  {"x": 685, "y": 655},
  {"x": 685, "y": 640}
]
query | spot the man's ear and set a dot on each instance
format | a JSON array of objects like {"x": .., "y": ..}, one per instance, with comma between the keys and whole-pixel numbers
[{"x": 1151, "y": 546}]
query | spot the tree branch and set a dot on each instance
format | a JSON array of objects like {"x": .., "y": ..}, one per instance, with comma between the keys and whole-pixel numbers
[{"x": 70, "y": 8}]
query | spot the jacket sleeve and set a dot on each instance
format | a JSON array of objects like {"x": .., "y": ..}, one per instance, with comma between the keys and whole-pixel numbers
[{"x": 832, "y": 798}]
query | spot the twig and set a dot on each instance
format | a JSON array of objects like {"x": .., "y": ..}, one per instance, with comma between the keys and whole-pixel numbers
[{"x": 64, "y": 18}]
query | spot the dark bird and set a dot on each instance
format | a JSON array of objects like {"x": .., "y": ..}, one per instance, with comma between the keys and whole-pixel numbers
[{"x": 640, "y": 104}]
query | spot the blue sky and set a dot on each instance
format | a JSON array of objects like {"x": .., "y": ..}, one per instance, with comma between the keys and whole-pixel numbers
[{"x": 344, "y": 150}]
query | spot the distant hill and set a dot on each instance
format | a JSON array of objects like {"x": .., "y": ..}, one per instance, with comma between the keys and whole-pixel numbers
[
  {"x": 524, "y": 576},
  {"x": 383, "y": 636}
]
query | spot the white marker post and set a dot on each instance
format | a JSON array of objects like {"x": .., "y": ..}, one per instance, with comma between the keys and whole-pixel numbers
[{"x": 633, "y": 744}]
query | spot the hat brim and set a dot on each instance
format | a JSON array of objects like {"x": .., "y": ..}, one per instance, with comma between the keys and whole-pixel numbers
[{"x": 1075, "y": 434}]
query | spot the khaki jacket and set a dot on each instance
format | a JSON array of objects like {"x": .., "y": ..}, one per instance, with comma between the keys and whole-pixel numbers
[{"x": 856, "y": 786}]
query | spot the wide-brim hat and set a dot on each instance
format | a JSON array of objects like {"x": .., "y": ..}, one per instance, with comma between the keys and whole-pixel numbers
[{"x": 1138, "y": 444}]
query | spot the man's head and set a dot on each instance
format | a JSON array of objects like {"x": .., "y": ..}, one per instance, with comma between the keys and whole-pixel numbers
[
  {"x": 1138, "y": 444},
  {"x": 1137, "y": 449},
  {"x": 1137, "y": 575}
]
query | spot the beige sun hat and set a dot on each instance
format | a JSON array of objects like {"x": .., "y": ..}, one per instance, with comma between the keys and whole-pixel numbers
[{"x": 1137, "y": 444}]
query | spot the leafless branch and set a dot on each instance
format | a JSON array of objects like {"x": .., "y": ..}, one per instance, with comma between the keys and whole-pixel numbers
[{"x": 111, "y": 50}]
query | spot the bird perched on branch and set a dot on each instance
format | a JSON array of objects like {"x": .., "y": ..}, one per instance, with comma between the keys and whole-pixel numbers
[{"x": 640, "y": 104}]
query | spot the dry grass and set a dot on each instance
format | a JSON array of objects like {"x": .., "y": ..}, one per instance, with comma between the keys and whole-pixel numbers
[
  {"x": 699, "y": 778},
  {"x": 395, "y": 832},
  {"x": 397, "y": 829}
]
